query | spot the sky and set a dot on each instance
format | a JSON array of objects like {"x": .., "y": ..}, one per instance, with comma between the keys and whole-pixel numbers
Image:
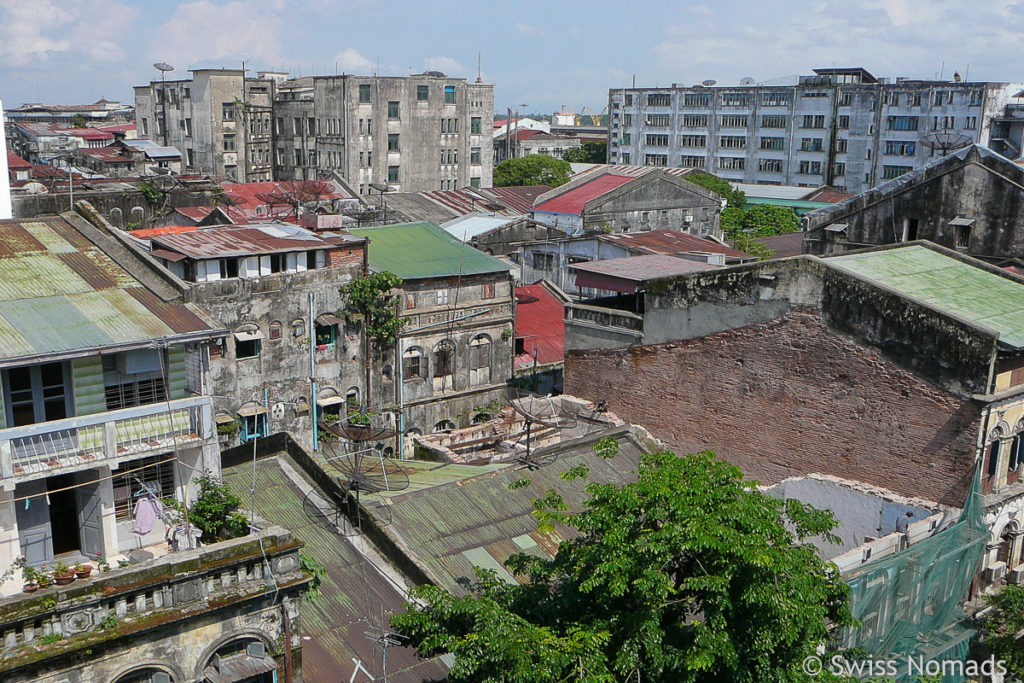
[{"x": 539, "y": 55}]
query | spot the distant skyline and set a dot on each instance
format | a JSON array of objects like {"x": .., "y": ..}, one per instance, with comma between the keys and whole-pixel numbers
[{"x": 541, "y": 55}]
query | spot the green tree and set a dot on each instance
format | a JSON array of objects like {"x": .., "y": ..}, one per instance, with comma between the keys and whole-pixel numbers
[
  {"x": 372, "y": 300},
  {"x": 767, "y": 219},
  {"x": 749, "y": 245},
  {"x": 535, "y": 169},
  {"x": 736, "y": 198},
  {"x": 587, "y": 153},
  {"x": 688, "y": 574},
  {"x": 1003, "y": 628}
]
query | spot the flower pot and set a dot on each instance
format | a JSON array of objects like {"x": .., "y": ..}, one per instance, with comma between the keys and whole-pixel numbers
[
  {"x": 64, "y": 579},
  {"x": 83, "y": 573},
  {"x": 30, "y": 587}
]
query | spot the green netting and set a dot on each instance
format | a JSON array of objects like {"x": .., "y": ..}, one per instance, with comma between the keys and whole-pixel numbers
[{"x": 909, "y": 603}]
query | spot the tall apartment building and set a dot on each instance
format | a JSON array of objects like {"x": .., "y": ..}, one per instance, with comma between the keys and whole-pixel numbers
[
  {"x": 840, "y": 127},
  {"x": 415, "y": 133},
  {"x": 220, "y": 120}
]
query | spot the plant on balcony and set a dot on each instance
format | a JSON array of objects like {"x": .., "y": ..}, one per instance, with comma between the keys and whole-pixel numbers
[
  {"x": 63, "y": 574},
  {"x": 229, "y": 428},
  {"x": 82, "y": 571},
  {"x": 216, "y": 511}
]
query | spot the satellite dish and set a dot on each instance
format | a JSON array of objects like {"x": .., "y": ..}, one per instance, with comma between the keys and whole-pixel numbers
[
  {"x": 367, "y": 470},
  {"x": 540, "y": 411},
  {"x": 35, "y": 188},
  {"x": 945, "y": 141},
  {"x": 163, "y": 66},
  {"x": 747, "y": 80},
  {"x": 708, "y": 83}
]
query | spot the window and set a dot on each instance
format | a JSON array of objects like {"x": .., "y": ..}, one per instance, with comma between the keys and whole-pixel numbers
[
  {"x": 658, "y": 120},
  {"x": 449, "y": 94},
  {"x": 732, "y": 141},
  {"x": 627, "y": 119},
  {"x": 773, "y": 121},
  {"x": 480, "y": 359},
  {"x": 364, "y": 92},
  {"x": 393, "y": 109},
  {"x": 412, "y": 363},
  {"x": 629, "y": 100},
  {"x": 816, "y": 93},
  {"x": 909, "y": 229},
  {"x": 444, "y": 426},
  {"x": 735, "y": 99},
  {"x": 773, "y": 143},
  {"x": 275, "y": 330},
  {"x": 441, "y": 297},
  {"x": 691, "y": 162},
  {"x": 133, "y": 378},
  {"x": 444, "y": 359},
  {"x": 228, "y": 268},
  {"x": 810, "y": 167},
  {"x": 247, "y": 347},
  {"x": 326, "y": 334},
  {"x": 975, "y": 100},
  {"x": 890, "y": 172},
  {"x": 844, "y": 122},
  {"x": 474, "y": 125},
  {"x": 229, "y": 143},
  {"x": 474, "y": 181},
  {"x": 694, "y": 121},
  {"x": 422, "y": 93},
  {"x": 392, "y": 142},
  {"x": 839, "y": 169},
  {"x": 813, "y": 121},
  {"x": 963, "y": 236},
  {"x": 732, "y": 163},
  {"x": 655, "y": 160},
  {"x": 188, "y": 127},
  {"x": 488, "y": 290},
  {"x": 693, "y": 140},
  {"x": 770, "y": 165},
  {"x": 902, "y": 122},
  {"x": 156, "y": 475},
  {"x": 392, "y": 174},
  {"x": 810, "y": 144},
  {"x": 310, "y": 126},
  {"x": 971, "y": 123},
  {"x": 227, "y": 111},
  {"x": 696, "y": 99},
  {"x": 543, "y": 261},
  {"x": 775, "y": 99},
  {"x": 734, "y": 121},
  {"x": 842, "y": 144},
  {"x": 657, "y": 140},
  {"x": 937, "y": 97},
  {"x": 253, "y": 427},
  {"x": 626, "y": 157},
  {"x": 659, "y": 100},
  {"x": 900, "y": 148},
  {"x": 474, "y": 155}
]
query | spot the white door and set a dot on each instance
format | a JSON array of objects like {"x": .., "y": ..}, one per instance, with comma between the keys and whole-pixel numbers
[{"x": 90, "y": 517}]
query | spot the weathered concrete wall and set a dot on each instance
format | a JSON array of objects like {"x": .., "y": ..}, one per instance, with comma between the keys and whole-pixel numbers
[
  {"x": 507, "y": 239},
  {"x": 120, "y": 207},
  {"x": 654, "y": 203},
  {"x": 787, "y": 398}
]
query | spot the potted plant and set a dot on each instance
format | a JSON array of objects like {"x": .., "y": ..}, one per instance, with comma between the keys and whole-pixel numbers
[
  {"x": 63, "y": 574},
  {"x": 29, "y": 574},
  {"x": 44, "y": 577},
  {"x": 82, "y": 571}
]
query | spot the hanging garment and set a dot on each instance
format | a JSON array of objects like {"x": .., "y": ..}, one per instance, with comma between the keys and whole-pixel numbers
[{"x": 147, "y": 510}]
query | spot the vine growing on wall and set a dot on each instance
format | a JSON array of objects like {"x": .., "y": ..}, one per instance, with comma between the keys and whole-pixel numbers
[{"x": 373, "y": 301}]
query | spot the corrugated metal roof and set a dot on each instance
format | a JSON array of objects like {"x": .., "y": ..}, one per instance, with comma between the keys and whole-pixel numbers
[
  {"x": 574, "y": 201},
  {"x": 421, "y": 250},
  {"x": 15, "y": 162},
  {"x": 540, "y": 323},
  {"x": 61, "y": 293},
  {"x": 519, "y": 199},
  {"x": 242, "y": 240},
  {"x": 448, "y": 528},
  {"x": 974, "y": 294},
  {"x": 355, "y": 596},
  {"x": 672, "y": 242},
  {"x": 473, "y": 225},
  {"x": 786, "y": 244},
  {"x": 641, "y": 268}
]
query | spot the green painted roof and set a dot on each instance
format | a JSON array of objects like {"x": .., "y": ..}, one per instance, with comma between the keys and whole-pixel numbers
[
  {"x": 974, "y": 294},
  {"x": 801, "y": 206},
  {"x": 422, "y": 250}
]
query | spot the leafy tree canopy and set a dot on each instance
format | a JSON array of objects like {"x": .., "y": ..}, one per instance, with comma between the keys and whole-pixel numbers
[
  {"x": 736, "y": 198},
  {"x": 688, "y": 574},
  {"x": 1003, "y": 627},
  {"x": 767, "y": 219},
  {"x": 373, "y": 301},
  {"x": 535, "y": 169},
  {"x": 587, "y": 153}
]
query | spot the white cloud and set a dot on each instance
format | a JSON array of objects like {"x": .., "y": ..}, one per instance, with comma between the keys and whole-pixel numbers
[
  {"x": 448, "y": 65},
  {"x": 29, "y": 31},
  {"x": 203, "y": 30},
  {"x": 527, "y": 30},
  {"x": 351, "y": 61}
]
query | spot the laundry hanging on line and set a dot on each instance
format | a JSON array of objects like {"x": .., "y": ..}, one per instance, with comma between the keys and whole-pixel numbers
[{"x": 147, "y": 511}]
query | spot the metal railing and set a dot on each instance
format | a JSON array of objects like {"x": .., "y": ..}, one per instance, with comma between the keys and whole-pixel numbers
[
  {"x": 134, "y": 431},
  {"x": 605, "y": 317}
]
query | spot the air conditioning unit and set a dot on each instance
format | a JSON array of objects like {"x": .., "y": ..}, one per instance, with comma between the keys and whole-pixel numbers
[
  {"x": 994, "y": 572},
  {"x": 256, "y": 649},
  {"x": 688, "y": 219},
  {"x": 1015, "y": 576}
]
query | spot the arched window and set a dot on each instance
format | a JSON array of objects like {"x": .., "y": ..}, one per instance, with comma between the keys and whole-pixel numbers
[
  {"x": 413, "y": 364},
  {"x": 298, "y": 328},
  {"x": 275, "y": 330},
  {"x": 444, "y": 360},
  {"x": 480, "y": 418},
  {"x": 444, "y": 426},
  {"x": 389, "y": 452},
  {"x": 242, "y": 654},
  {"x": 352, "y": 400},
  {"x": 138, "y": 215},
  {"x": 145, "y": 674},
  {"x": 117, "y": 217},
  {"x": 480, "y": 360}
]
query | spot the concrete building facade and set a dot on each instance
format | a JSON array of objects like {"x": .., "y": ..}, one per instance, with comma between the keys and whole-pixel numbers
[
  {"x": 839, "y": 127},
  {"x": 220, "y": 120}
]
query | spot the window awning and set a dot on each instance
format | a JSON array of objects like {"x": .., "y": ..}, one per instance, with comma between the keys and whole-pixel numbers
[
  {"x": 302, "y": 406},
  {"x": 248, "y": 336},
  {"x": 223, "y": 418},
  {"x": 251, "y": 409},
  {"x": 239, "y": 668},
  {"x": 836, "y": 227},
  {"x": 966, "y": 222},
  {"x": 328, "y": 319},
  {"x": 330, "y": 401},
  {"x": 172, "y": 256}
]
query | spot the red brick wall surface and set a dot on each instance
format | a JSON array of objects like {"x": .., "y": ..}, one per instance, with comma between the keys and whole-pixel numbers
[
  {"x": 787, "y": 398},
  {"x": 347, "y": 257}
]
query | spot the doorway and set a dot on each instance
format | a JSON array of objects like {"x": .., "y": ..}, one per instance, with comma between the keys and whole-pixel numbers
[{"x": 63, "y": 514}]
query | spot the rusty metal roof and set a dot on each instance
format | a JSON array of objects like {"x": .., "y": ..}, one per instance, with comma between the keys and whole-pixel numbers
[
  {"x": 476, "y": 520},
  {"x": 672, "y": 242},
  {"x": 61, "y": 294},
  {"x": 247, "y": 240},
  {"x": 641, "y": 268}
]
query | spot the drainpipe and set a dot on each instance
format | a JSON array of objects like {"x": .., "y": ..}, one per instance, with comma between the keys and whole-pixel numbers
[
  {"x": 400, "y": 391},
  {"x": 312, "y": 371}
]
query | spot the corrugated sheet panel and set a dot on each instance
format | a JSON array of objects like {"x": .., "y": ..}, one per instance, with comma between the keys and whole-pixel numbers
[
  {"x": 180, "y": 317},
  {"x": 422, "y": 250},
  {"x": 37, "y": 275},
  {"x": 87, "y": 379},
  {"x": 176, "y": 371}
]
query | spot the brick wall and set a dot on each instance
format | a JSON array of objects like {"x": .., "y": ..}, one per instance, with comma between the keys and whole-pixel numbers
[
  {"x": 791, "y": 397},
  {"x": 346, "y": 257}
]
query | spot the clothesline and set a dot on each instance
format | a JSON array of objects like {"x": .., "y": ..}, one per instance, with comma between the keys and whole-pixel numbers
[{"x": 93, "y": 481}]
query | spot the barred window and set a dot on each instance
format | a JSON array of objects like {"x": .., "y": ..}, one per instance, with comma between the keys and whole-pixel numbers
[{"x": 156, "y": 475}]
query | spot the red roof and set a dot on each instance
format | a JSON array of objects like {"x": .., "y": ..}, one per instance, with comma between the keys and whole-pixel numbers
[
  {"x": 89, "y": 133},
  {"x": 672, "y": 242},
  {"x": 165, "y": 230},
  {"x": 108, "y": 155},
  {"x": 540, "y": 323},
  {"x": 575, "y": 200},
  {"x": 199, "y": 213},
  {"x": 249, "y": 196},
  {"x": 122, "y": 128},
  {"x": 14, "y": 161},
  {"x": 518, "y": 198}
]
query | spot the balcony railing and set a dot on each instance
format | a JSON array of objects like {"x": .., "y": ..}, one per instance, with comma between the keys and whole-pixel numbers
[
  {"x": 80, "y": 441},
  {"x": 604, "y": 317}
]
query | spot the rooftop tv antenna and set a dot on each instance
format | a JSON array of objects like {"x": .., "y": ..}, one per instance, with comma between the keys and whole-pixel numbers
[
  {"x": 539, "y": 410},
  {"x": 747, "y": 80}
]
